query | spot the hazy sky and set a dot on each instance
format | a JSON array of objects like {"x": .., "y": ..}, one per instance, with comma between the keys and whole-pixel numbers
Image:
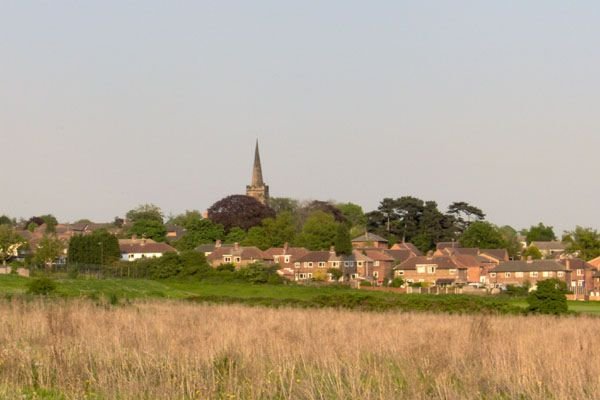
[{"x": 105, "y": 105}]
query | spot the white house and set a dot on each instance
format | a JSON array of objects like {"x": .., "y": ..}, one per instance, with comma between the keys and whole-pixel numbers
[{"x": 135, "y": 249}]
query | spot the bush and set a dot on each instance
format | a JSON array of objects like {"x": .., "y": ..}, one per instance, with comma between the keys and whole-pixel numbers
[
  {"x": 336, "y": 273},
  {"x": 365, "y": 283},
  {"x": 397, "y": 282},
  {"x": 548, "y": 298},
  {"x": 226, "y": 267},
  {"x": 41, "y": 286},
  {"x": 260, "y": 273}
]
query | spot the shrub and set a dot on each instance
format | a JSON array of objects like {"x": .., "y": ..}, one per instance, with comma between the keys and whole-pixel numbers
[
  {"x": 259, "y": 273},
  {"x": 397, "y": 282},
  {"x": 336, "y": 273},
  {"x": 548, "y": 298},
  {"x": 226, "y": 267},
  {"x": 41, "y": 286},
  {"x": 365, "y": 283}
]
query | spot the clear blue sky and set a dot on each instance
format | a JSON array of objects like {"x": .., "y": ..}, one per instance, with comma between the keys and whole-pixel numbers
[{"x": 105, "y": 105}]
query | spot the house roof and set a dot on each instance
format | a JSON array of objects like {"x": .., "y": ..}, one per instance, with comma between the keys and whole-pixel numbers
[
  {"x": 399, "y": 256},
  {"x": 244, "y": 252},
  {"x": 379, "y": 255},
  {"x": 498, "y": 254},
  {"x": 295, "y": 252},
  {"x": 129, "y": 246},
  {"x": 550, "y": 245},
  {"x": 467, "y": 261},
  {"x": 407, "y": 246},
  {"x": 470, "y": 251},
  {"x": 576, "y": 263},
  {"x": 316, "y": 256},
  {"x": 369, "y": 237},
  {"x": 442, "y": 262},
  {"x": 527, "y": 266},
  {"x": 445, "y": 245}
]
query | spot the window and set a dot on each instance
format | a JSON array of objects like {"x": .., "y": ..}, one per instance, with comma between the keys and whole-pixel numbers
[
  {"x": 287, "y": 259},
  {"x": 309, "y": 264},
  {"x": 359, "y": 263},
  {"x": 276, "y": 259},
  {"x": 375, "y": 274},
  {"x": 420, "y": 269},
  {"x": 580, "y": 283},
  {"x": 227, "y": 259},
  {"x": 452, "y": 271},
  {"x": 507, "y": 274},
  {"x": 492, "y": 274},
  {"x": 309, "y": 275},
  {"x": 550, "y": 274},
  {"x": 533, "y": 274},
  {"x": 297, "y": 265},
  {"x": 560, "y": 274},
  {"x": 321, "y": 264},
  {"x": 238, "y": 259},
  {"x": 518, "y": 274},
  {"x": 579, "y": 272},
  {"x": 131, "y": 256},
  {"x": 399, "y": 273},
  {"x": 354, "y": 276},
  {"x": 545, "y": 274},
  {"x": 573, "y": 283},
  {"x": 335, "y": 264},
  {"x": 376, "y": 263},
  {"x": 347, "y": 263},
  {"x": 431, "y": 269}
]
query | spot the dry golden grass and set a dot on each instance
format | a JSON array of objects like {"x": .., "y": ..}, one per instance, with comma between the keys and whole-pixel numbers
[{"x": 176, "y": 350}]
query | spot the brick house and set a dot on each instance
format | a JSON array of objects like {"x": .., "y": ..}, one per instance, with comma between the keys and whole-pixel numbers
[
  {"x": 580, "y": 276},
  {"x": 369, "y": 240},
  {"x": 240, "y": 256},
  {"x": 135, "y": 249},
  {"x": 550, "y": 249},
  {"x": 316, "y": 264},
  {"x": 432, "y": 270},
  {"x": 407, "y": 246},
  {"x": 526, "y": 271},
  {"x": 383, "y": 264},
  {"x": 285, "y": 257}
]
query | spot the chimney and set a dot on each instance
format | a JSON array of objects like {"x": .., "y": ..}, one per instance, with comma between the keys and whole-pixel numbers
[
  {"x": 236, "y": 246},
  {"x": 529, "y": 260},
  {"x": 568, "y": 262},
  {"x": 285, "y": 247},
  {"x": 430, "y": 255},
  {"x": 217, "y": 243},
  {"x": 134, "y": 237},
  {"x": 143, "y": 241},
  {"x": 332, "y": 251}
]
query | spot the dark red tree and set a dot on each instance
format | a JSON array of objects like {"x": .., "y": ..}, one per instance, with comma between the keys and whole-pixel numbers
[{"x": 239, "y": 210}]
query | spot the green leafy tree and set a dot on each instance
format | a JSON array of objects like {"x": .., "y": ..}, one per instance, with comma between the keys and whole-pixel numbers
[
  {"x": 284, "y": 204},
  {"x": 281, "y": 229},
  {"x": 189, "y": 217},
  {"x": 147, "y": 221},
  {"x": 511, "y": 240},
  {"x": 98, "y": 248},
  {"x": 145, "y": 212},
  {"x": 585, "y": 242},
  {"x": 464, "y": 214},
  {"x": 4, "y": 220},
  {"x": 48, "y": 250},
  {"x": 483, "y": 235},
  {"x": 533, "y": 252},
  {"x": 342, "y": 241},
  {"x": 198, "y": 231},
  {"x": 548, "y": 298},
  {"x": 10, "y": 242},
  {"x": 336, "y": 273},
  {"x": 319, "y": 231},
  {"x": 236, "y": 235},
  {"x": 354, "y": 214},
  {"x": 257, "y": 237},
  {"x": 539, "y": 233},
  {"x": 50, "y": 222}
]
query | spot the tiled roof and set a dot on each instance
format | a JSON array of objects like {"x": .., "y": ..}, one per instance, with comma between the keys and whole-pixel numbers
[
  {"x": 442, "y": 262},
  {"x": 245, "y": 253},
  {"x": 399, "y": 256},
  {"x": 129, "y": 246},
  {"x": 498, "y": 254},
  {"x": 527, "y": 266},
  {"x": 407, "y": 246},
  {"x": 379, "y": 255},
  {"x": 550, "y": 245}
]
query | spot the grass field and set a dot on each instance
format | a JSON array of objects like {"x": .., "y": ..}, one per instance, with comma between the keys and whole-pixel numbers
[
  {"x": 164, "y": 349},
  {"x": 249, "y": 294}
]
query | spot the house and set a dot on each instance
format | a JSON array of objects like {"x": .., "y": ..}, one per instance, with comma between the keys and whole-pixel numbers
[
  {"x": 174, "y": 232},
  {"x": 240, "y": 256},
  {"x": 135, "y": 249},
  {"x": 207, "y": 249},
  {"x": 495, "y": 255},
  {"x": 550, "y": 249},
  {"x": 383, "y": 265},
  {"x": 285, "y": 257},
  {"x": 369, "y": 240},
  {"x": 407, "y": 246},
  {"x": 580, "y": 276},
  {"x": 432, "y": 270},
  {"x": 316, "y": 265},
  {"x": 526, "y": 271},
  {"x": 400, "y": 256}
]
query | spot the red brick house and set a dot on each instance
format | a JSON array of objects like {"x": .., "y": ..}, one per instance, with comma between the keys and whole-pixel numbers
[
  {"x": 369, "y": 240},
  {"x": 432, "y": 270},
  {"x": 237, "y": 255},
  {"x": 526, "y": 271}
]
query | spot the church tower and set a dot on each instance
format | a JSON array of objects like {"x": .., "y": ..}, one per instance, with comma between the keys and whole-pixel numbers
[{"x": 257, "y": 188}]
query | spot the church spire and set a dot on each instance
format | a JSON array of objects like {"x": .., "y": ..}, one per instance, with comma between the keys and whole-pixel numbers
[{"x": 257, "y": 178}]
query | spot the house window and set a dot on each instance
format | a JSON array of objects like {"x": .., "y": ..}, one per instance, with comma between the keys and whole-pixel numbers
[
  {"x": 533, "y": 274},
  {"x": 309, "y": 264},
  {"x": 560, "y": 274},
  {"x": 227, "y": 259},
  {"x": 359, "y": 263},
  {"x": 297, "y": 265},
  {"x": 579, "y": 272},
  {"x": 335, "y": 264},
  {"x": 399, "y": 273},
  {"x": 550, "y": 274},
  {"x": 354, "y": 276},
  {"x": 431, "y": 269},
  {"x": 492, "y": 274},
  {"x": 376, "y": 263},
  {"x": 420, "y": 269},
  {"x": 347, "y": 263},
  {"x": 545, "y": 274},
  {"x": 507, "y": 274},
  {"x": 375, "y": 274},
  {"x": 238, "y": 259},
  {"x": 276, "y": 259},
  {"x": 131, "y": 256},
  {"x": 580, "y": 283},
  {"x": 309, "y": 275},
  {"x": 287, "y": 259},
  {"x": 452, "y": 271},
  {"x": 518, "y": 274},
  {"x": 321, "y": 264}
]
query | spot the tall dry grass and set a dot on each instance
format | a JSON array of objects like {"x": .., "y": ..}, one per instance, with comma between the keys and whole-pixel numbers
[{"x": 175, "y": 350}]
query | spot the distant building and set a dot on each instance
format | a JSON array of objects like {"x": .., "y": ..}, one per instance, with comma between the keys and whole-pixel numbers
[
  {"x": 135, "y": 249},
  {"x": 369, "y": 240},
  {"x": 258, "y": 189}
]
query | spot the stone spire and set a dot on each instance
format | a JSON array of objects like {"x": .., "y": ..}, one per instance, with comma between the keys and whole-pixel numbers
[
  {"x": 257, "y": 178},
  {"x": 257, "y": 188}
]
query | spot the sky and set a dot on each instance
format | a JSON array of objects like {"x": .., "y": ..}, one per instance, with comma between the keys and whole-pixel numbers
[{"x": 106, "y": 105}]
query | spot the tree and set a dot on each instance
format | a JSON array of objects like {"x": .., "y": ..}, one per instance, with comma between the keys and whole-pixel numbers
[
  {"x": 48, "y": 250},
  {"x": 511, "y": 240},
  {"x": 5, "y": 220},
  {"x": 548, "y": 298},
  {"x": 235, "y": 235},
  {"x": 98, "y": 248},
  {"x": 145, "y": 212},
  {"x": 353, "y": 213},
  {"x": 283, "y": 204},
  {"x": 532, "y": 252},
  {"x": 336, "y": 273},
  {"x": 483, "y": 235},
  {"x": 50, "y": 222},
  {"x": 319, "y": 231},
  {"x": 539, "y": 233},
  {"x": 239, "y": 210},
  {"x": 585, "y": 242},
  {"x": 10, "y": 242},
  {"x": 465, "y": 214},
  {"x": 273, "y": 232},
  {"x": 256, "y": 237},
  {"x": 198, "y": 230},
  {"x": 342, "y": 241}
]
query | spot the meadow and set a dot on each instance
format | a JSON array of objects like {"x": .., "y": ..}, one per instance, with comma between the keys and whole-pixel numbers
[{"x": 166, "y": 349}]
